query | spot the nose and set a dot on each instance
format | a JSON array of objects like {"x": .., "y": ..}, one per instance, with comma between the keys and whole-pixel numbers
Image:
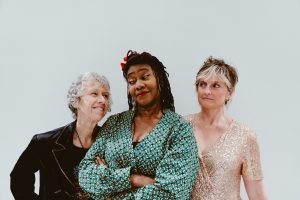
[
  {"x": 101, "y": 99},
  {"x": 139, "y": 85},
  {"x": 207, "y": 90}
]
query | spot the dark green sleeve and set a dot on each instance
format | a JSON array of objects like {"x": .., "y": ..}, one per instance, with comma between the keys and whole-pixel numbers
[
  {"x": 176, "y": 173},
  {"x": 98, "y": 180}
]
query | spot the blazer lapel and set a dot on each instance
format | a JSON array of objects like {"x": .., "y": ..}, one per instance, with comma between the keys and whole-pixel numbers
[{"x": 59, "y": 151}]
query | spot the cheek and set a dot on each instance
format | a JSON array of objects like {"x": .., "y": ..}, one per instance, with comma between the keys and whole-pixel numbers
[
  {"x": 91, "y": 102},
  {"x": 199, "y": 95},
  {"x": 131, "y": 90},
  {"x": 106, "y": 104},
  {"x": 221, "y": 96},
  {"x": 88, "y": 104},
  {"x": 199, "y": 92}
]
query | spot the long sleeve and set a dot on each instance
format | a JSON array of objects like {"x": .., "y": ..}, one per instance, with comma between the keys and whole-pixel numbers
[
  {"x": 98, "y": 180},
  {"x": 22, "y": 177},
  {"x": 176, "y": 173}
]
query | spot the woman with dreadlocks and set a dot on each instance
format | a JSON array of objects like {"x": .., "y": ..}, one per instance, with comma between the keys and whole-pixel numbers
[{"x": 147, "y": 152}]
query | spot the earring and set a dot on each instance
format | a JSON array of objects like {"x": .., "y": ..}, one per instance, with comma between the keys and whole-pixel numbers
[{"x": 226, "y": 101}]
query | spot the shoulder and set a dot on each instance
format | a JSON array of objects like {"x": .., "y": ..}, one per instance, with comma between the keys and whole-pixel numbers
[
  {"x": 126, "y": 115},
  {"x": 178, "y": 123},
  {"x": 181, "y": 133},
  {"x": 114, "y": 123},
  {"x": 190, "y": 117},
  {"x": 51, "y": 135},
  {"x": 244, "y": 132},
  {"x": 175, "y": 118}
]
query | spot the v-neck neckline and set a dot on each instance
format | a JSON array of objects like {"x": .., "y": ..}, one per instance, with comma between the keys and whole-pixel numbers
[
  {"x": 206, "y": 151},
  {"x": 151, "y": 133}
]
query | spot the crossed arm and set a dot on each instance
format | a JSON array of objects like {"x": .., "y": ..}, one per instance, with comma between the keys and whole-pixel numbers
[
  {"x": 137, "y": 180},
  {"x": 174, "y": 177}
]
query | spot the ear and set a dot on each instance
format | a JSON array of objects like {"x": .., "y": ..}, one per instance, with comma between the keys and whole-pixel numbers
[
  {"x": 75, "y": 104},
  {"x": 231, "y": 91}
]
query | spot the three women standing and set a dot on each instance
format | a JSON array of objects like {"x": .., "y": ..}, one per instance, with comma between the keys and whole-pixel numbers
[{"x": 149, "y": 151}]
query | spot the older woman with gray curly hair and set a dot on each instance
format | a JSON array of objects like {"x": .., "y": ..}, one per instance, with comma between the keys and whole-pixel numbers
[{"x": 56, "y": 154}]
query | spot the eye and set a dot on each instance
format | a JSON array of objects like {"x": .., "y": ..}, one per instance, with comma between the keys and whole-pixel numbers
[
  {"x": 94, "y": 93},
  {"x": 106, "y": 96},
  {"x": 130, "y": 82},
  {"x": 146, "y": 77},
  {"x": 216, "y": 85},
  {"x": 202, "y": 84}
]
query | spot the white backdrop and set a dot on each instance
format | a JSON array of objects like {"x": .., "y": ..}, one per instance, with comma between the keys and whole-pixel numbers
[{"x": 44, "y": 45}]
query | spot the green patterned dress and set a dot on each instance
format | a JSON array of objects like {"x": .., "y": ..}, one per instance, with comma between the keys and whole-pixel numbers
[{"x": 168, "y": 154}]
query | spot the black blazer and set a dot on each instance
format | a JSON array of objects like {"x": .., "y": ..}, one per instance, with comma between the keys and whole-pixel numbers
[{"x": 45, "y": 153}]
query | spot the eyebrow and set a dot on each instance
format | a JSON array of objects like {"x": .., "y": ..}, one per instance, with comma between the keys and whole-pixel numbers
[
  {"x": 139, "y": 70},
  {"x": 203, "y": 81}
]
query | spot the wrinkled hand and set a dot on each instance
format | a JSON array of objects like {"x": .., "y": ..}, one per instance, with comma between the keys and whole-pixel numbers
[
  {"x": 100, "y": 161},
  {"x": 138, "y": 180}
]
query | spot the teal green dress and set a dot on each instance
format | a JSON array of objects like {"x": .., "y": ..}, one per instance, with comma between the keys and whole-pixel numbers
[{"x": 168, "y": 154}]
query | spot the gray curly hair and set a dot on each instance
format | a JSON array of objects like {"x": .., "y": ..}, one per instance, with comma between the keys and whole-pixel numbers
[{"x": 77, "y": 89}]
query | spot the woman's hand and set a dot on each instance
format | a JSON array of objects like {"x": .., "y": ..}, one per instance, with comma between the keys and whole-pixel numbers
[
  {"x": 100, "y": 161},
  {"x": 138, "y": 180}
]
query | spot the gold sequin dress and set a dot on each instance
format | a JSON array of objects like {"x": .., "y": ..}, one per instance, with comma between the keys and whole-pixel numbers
[{"x": 221, "y": 166}]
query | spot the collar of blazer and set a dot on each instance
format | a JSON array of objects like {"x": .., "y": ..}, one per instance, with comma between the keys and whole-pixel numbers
[{"x": 64, "y": 138}]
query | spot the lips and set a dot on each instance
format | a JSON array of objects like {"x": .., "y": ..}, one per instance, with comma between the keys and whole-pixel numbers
[
  {"x": 140, "y": 94},
  {"x": 101, "y": 107},
  {"x": 206, "y": 98}
]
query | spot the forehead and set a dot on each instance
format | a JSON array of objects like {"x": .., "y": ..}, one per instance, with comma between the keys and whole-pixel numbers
[
  {"x": 138, "y": 69},
  {"x": 94, "y": 85}
]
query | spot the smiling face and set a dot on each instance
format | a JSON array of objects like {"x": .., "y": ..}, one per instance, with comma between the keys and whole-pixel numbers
[
  {"x": 93, "y": 104},
  {"x": 212, "y": 93},
  {"x": 142, "y": 86}
]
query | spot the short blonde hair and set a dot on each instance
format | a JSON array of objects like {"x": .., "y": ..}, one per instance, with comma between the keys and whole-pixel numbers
[{"x": 213, "y": 66}]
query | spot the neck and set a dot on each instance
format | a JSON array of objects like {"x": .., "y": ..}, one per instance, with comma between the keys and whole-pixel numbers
[
  {"x": 85, "y": 129},
  {"x": 150, "y": 112},
  {"x": 213, "y": 116}
]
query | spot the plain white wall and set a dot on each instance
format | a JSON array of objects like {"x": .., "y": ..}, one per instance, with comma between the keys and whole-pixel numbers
[{"x": 44, "y": 45}]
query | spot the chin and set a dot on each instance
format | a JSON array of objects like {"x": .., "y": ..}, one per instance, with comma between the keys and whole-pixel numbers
[
  {"x": 98, "y": 118},
  {"x": 143, "y": 103},
  {"x": 207, "y": 105},
  {"x": 148, "y": 104}
]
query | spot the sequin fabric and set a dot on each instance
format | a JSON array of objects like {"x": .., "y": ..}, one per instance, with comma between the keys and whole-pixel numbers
[
  {"x": 168, "y": 154},
  {"x": 235, "y": 155}
]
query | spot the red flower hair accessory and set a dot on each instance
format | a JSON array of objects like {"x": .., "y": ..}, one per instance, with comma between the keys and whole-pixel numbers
[{"x": 123, "y": 63}]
